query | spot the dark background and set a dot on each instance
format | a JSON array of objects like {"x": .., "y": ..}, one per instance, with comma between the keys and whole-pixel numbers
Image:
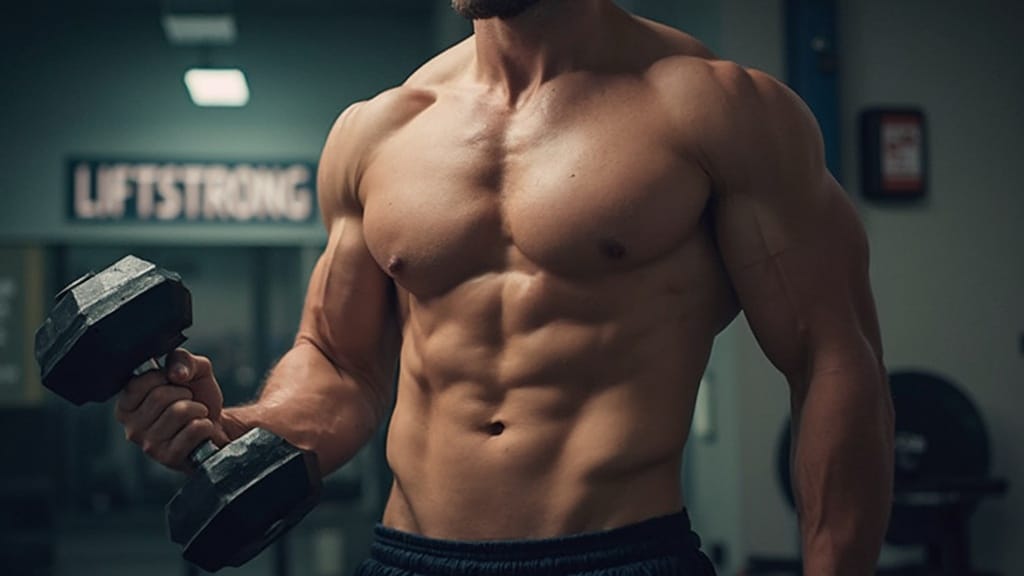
[{"x": 98, "y": 79}]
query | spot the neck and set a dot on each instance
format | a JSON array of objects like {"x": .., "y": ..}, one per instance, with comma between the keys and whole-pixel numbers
[{"x": 550, "y": 38}]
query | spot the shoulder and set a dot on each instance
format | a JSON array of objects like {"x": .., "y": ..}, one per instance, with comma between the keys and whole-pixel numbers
[
  {"x": 363, "y": 126},
  {"x": 755, "y": 93},
  {"x": 356, "y": 134},
  {"x": 394, "y": 107},
  {"x": 737, "y": 120},
  {"x": 764, "y": 127}
]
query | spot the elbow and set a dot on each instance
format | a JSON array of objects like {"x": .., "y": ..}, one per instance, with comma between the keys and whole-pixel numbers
[{"x": 369, "y": 384}]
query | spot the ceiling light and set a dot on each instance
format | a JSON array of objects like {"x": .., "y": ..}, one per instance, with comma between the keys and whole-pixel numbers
[
  {"x": 199, "y": 29},
  {"x": 217, "y": 86}
]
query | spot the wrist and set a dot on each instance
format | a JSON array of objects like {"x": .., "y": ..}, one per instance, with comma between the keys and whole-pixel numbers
[{"x": 238, "y": 420}]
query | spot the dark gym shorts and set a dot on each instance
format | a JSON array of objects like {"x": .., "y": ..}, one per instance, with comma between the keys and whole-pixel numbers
[{"x": 660, "y": 546}]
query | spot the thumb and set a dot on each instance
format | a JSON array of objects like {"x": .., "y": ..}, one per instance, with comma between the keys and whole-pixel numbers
[
  {"x": 196, "y": 373},
  {"x": 181, "y": 366}
]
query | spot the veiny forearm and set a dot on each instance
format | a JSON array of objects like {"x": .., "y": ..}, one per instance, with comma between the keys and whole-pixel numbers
[
  {"x": 314, "y": 405},
  {"x": 842, "y": 469}
]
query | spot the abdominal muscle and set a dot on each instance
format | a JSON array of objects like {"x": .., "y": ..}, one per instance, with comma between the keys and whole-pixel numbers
[{"x": 529, "y": 407}]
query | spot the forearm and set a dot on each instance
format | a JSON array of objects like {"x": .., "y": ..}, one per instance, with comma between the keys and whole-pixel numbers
[
  {"x": 843, "y": 468},
  {"x": 314, "y": 405}
]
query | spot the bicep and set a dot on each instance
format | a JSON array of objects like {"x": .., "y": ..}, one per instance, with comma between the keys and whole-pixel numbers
[
  {"x": 800, "y": 271},
  {"x": 793, "y": 244},
  {"x": 349, "y": 311}
]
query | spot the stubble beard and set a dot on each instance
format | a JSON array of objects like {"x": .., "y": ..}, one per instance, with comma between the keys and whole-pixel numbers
[{"x": 484, "y": 9}]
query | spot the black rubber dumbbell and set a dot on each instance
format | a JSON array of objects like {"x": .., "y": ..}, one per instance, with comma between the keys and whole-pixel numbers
[{"x": 106, "y": 326}]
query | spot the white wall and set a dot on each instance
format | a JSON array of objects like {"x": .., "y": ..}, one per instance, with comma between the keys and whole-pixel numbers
[{"x": 949, "y": 274}]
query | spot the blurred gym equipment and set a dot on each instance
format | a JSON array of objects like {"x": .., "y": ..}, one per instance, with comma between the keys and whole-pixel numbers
[{"x": 942, "y": 472}]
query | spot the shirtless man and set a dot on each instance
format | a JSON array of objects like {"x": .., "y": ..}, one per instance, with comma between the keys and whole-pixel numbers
[{"x": 544, "y": 229}]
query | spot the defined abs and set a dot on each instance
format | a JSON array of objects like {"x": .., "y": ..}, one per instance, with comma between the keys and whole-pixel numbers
[{"x": 529, "y": 467}]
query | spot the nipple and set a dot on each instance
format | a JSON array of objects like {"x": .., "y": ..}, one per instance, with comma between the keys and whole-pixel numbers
[
  {"x": 613, "y": 249},
  {"x": 395, "y": 265}
]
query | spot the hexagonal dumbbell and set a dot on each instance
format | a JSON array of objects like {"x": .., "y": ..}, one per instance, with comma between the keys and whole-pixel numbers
[{"x": 106, "y": 326}]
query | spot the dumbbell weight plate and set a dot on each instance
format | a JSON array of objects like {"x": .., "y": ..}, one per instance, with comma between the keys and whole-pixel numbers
[
  {"x": 104, "y": 325},
  {"x": 241, "y": 499}
]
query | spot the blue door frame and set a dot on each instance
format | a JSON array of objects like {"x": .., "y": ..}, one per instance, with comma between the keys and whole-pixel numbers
[{"x": 812, "y": 67}]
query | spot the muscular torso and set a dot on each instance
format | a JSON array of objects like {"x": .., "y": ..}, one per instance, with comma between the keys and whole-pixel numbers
[{"x": 559, "y": 290}]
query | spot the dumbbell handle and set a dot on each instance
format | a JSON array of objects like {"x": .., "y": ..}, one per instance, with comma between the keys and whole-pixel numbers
[{"x": 206, "y": 448}]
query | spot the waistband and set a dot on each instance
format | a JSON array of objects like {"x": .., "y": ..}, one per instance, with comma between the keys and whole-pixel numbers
[{"x": 664, "y": 537}]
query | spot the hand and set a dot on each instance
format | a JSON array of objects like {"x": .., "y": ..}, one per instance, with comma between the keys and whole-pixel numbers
[{"x": 169, "y": 412}]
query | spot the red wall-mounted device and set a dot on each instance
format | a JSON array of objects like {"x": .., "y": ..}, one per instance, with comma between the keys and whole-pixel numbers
[{"x": 894, "y": 154}]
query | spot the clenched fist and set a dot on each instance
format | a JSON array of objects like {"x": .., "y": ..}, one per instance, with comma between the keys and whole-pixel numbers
[{"x": 169, "y": 412}]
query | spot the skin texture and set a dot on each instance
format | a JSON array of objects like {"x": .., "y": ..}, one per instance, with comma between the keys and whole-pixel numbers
[{"x": 548, "y": 231}]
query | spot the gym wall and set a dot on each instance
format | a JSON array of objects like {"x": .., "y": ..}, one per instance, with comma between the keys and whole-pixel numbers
[
  {"x": 99, "y": 79},
  {"x": 106, "y": 83},
  {"x": 947, "y": 272}
]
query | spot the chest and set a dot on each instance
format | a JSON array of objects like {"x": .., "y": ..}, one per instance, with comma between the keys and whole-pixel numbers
[{"x": 585, "y": 192}]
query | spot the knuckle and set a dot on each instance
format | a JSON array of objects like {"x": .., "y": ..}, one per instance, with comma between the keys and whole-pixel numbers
[
  {"x": 197, "y": 431},
  {"x": 159, "y": 395},
  {"x": 149, "y": 448},
  {"x": 133, "y": 436},
  {"x": 167, "y": 395},
  {"x": 180, "y": 409},
  {"x": 203, "y": 364},
  {"x": 200, "y": 426}
]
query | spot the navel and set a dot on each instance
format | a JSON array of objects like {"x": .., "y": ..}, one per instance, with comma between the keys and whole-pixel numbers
[
  {"x": 395, "y": 265},
  {"x": 496, "y": 428},
  {"x": 612, "y": 249}
]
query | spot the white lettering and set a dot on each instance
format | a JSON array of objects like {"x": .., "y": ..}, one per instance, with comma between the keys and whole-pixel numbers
[
  {"x": 193, "y": 192},
  {"x": 300, "y": 196},
  {"x": 85, "y": 207},
  {"x": 145, "y": 178},
  {"x": 214, "y": 183},
  {"x": 112, "y": 185},
  {"x": 234, "y": 189},
  {"x": 267, "y": 188},
  {"x": 192, "y": 176},
  {"x": 169, "y": 207}
]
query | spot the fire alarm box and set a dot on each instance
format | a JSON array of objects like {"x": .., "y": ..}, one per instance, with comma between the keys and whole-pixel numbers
[{"x": 894, "y": 154}]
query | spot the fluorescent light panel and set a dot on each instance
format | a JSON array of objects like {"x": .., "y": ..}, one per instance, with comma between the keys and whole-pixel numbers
[
  {"x": 200, "y": 29},
  {"x": 217, "y": 86}
]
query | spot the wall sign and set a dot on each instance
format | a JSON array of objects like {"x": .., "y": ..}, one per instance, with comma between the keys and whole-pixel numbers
[
  {"x": 203, "y": 192},
  {"x": 893, "y": 154},
  {"x": 21, "y": 303}
]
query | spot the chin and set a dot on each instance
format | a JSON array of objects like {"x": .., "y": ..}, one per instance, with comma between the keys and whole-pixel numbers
[{"x": 485, "y": 9}]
